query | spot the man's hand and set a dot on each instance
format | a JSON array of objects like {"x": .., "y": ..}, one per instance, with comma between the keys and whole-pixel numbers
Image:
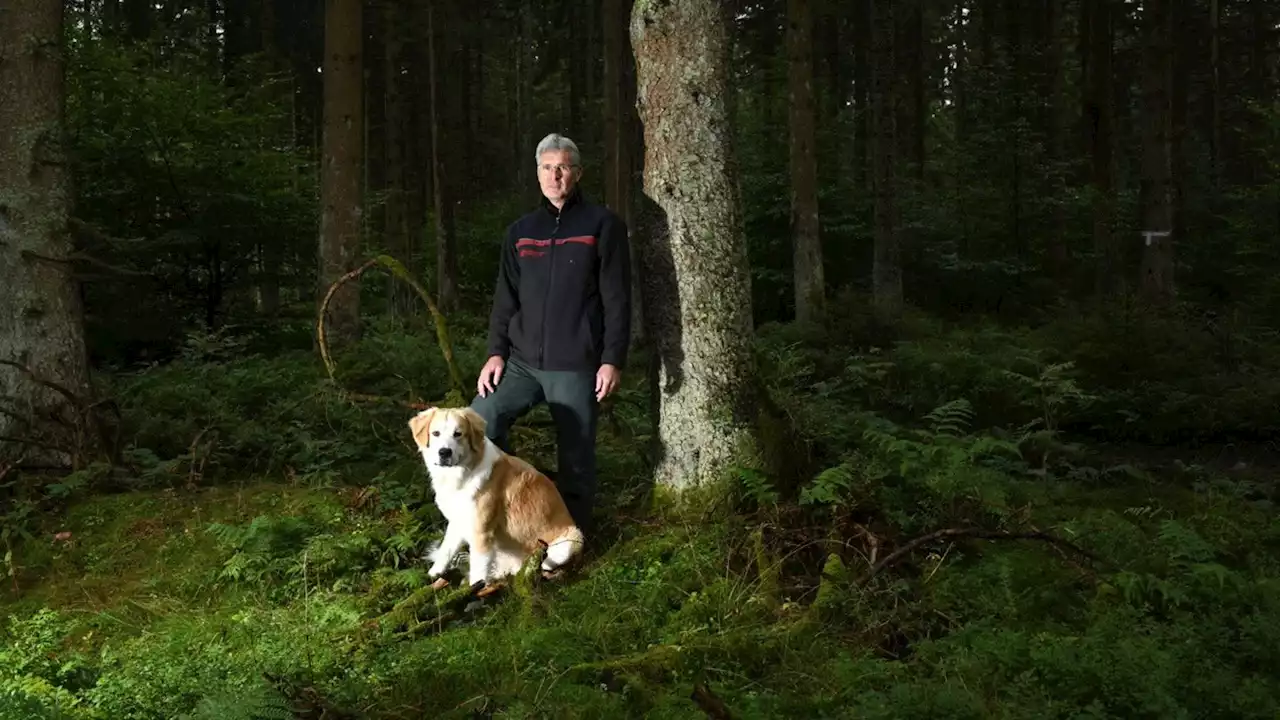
[
  {"x": 606, "y": 381},
  {"x": 490, "y": 374}
]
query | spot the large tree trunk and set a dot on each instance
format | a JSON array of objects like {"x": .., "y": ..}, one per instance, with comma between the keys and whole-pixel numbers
[
  {"x": 41, "y": 324},
  {"x": 1157, "y": 179},
  {"x": 886, "y": 272},
  {"x": 341, "y": 165},
  {"x": 698, "y": 286},
  {"x": 810, "y": 287}
]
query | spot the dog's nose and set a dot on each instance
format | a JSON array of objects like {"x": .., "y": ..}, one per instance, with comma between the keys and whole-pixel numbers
[{"x": 446, "y": 453}]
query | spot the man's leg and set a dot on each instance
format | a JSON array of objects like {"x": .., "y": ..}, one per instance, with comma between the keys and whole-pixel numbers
[
  {"x": 517, "y": 391},
  {"x": 572, "y": 399}
]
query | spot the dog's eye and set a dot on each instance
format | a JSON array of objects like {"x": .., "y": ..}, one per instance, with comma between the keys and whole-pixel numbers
[
  {"x": 457, "y": 433},
  {"x": 435, "y": 433}
]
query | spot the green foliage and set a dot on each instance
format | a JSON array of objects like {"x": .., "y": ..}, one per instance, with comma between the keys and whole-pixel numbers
[
  {"x": 205, "y": 585},
  {"x": 256, "y": 702}
]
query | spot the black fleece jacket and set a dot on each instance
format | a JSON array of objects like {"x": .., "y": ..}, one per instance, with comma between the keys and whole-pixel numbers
[{"x": 563, "y": 296}]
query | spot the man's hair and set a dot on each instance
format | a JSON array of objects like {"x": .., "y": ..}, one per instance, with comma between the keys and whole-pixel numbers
[{"x": 556, "y": 141}]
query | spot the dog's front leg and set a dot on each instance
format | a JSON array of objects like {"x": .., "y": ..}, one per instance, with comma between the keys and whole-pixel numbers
[
  {"x": 444, "y": 554},
  {"x": 482, "y": 558}
]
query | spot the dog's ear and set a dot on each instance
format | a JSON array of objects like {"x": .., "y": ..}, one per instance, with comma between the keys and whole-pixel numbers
[
  {"x": 475, "y": 428},
  {"x": 419, "y": 425}
]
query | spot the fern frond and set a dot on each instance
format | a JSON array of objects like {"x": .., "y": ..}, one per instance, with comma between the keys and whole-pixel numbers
[
  {"x": 951, "y": 419},
  {"x": 259, "y": 701}
]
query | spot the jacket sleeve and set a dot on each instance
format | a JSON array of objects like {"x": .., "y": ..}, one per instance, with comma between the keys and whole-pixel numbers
[
  {"x": 615, "y": 290},
  {"x": 506, "y": 298}
]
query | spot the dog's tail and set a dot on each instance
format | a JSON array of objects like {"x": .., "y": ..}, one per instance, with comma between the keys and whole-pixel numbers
[{"x": 562, "y": 548}]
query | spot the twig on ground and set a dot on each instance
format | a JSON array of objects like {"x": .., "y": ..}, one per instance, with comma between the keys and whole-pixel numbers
[{"x": 972, "y": 532}]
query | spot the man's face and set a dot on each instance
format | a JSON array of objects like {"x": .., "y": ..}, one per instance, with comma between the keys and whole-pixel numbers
[{"x": 557, "y": 175}]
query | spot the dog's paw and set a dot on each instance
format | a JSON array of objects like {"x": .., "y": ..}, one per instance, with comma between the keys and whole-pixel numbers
[{"x": 436, "y": 570}]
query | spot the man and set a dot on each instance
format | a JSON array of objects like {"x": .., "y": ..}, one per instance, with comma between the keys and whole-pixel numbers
[{"x": 561, "y": 321}]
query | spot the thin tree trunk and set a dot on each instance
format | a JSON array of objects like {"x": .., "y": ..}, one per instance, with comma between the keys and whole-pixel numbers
[
  {"x": 862, "y": 93},
  {"x": 399, "y": 241},
  {"x": 886, "y": 272},
  {"x": 341, "y": 164},
  {"x": 619, "y": 131},
  {"x": 698, "y": 280},
  {"x": 1055, "y": 140},
  {"x": 1098, "y": 111},
  {"x": 1215, "y": 92},
  {"x": 1157, "y": 252},
  {"x": 446, "y": 255},
  {"x": 810, "y": 286},
  {"x": 42, "y": 324}
]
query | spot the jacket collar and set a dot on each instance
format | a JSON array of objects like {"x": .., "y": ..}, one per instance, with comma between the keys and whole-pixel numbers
[{"x": 574, "y": 198}]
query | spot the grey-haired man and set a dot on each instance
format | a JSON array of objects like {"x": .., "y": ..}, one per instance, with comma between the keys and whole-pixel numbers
[{"x": 561, "y": 321}]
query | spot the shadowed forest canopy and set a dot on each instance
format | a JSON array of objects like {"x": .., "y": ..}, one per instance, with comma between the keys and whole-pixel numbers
[{"x": 953, "y": 390}]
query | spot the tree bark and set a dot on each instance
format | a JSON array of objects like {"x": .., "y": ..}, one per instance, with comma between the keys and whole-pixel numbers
[
  {"x": 446, "y": 253},
  {"x": 619, "y": 130},
  {"x": 399, "y": 241},
  {"x": 41, "y": 326},
  {"x": 341, "y": 165},
  {"x": 698, "y": 289},
  {"x": 1215, "y": 93},
  {"x": 862, "y": 129},
  {"x": 886, "y": 272},
  {"x": 1058, "y": 253},
  {"x": 810, "y": 286},
  {"x": 1157, "y": 177},
  {"x": 1099, "y": 119}
]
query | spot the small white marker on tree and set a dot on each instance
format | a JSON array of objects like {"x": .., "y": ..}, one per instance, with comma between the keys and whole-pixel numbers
[{"x": 1149, "y": 235}]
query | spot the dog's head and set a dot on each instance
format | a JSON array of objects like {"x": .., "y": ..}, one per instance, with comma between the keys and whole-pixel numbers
[{"x": 449, "y": 437}]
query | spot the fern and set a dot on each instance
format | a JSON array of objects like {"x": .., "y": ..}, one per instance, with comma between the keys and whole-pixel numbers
[
  {"x": 256, "y": 702},
  {"x": 831, "y": 486},
  {"x": 951, "y": 419},
  {"x": 757, "y": 486}
]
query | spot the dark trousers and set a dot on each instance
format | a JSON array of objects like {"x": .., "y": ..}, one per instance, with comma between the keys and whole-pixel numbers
[{"x": 571, "y": 397}]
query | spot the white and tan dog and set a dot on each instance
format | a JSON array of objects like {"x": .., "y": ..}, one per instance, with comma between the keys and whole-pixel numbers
[{"x": 500, "y": 506}]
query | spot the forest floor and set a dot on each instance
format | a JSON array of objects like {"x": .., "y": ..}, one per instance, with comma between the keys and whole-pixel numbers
[{"x": 273, "y": 568}]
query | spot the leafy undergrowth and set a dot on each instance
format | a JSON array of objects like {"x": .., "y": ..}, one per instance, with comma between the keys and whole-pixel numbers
[{"x": 1066, "y": 583}]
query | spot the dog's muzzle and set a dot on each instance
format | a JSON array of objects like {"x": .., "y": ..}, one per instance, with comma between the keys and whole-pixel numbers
[{"x": 445, "y": 457}]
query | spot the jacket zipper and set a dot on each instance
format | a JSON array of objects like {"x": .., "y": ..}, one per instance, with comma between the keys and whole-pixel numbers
[{"x": 551, "y": 257}]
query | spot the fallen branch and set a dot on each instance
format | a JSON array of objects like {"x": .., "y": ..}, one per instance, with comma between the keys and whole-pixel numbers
[
  {"x": 710, "y": 704},
  {"x": 396, "y": 269},
  {"x": 978, "y": 533}
]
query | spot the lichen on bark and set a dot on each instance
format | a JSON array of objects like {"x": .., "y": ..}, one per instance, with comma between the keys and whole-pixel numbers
[
  {"x": 697, "y": 286},
  {"x": 41, "y": 330}
]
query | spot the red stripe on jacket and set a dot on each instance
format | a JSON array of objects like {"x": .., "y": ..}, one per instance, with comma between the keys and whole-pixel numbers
[{"x": 530, "y": 242}]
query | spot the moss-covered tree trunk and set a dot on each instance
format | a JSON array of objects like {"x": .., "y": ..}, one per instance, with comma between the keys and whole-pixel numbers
[
  {"x": 341, "y": 165},
  {"x": 697, "y": 287},
  {"x": 41, "y": 321}
]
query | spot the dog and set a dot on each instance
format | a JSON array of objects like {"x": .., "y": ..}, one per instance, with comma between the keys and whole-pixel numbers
[{"x": 500, "y": 506}]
